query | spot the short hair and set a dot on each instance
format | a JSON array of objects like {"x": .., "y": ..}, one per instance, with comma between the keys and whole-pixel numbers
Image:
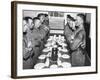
[
  {"x": 27, "y": 18},
  {"x": 70, "y": 17},
  {"x": 35, "y": 18},
  {"x": 40, "y": 14},
  {"x": 82, "y": 16},
  {"x": 45, "y": 15}
]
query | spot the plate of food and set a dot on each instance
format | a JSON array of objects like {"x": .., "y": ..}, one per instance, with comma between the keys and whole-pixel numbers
[
  {"x": 42, "y": 57},
  {"x": 49, "y": 39},
  {"x": 64, "y": 50},
  {"x": 47, "y": 49},
  {"x": 66, "y": 56},
  {"x": 48, "y": 44},
  {"x": 63, "y": 44},
  {"x": 53, "y": 66},
  {"x": 66, "y": 64},
  {"x": 39, "y": 66}
]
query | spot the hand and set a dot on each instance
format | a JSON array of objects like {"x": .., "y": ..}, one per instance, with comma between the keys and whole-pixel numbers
[
  {"x": 46, "y": 28},
  {"x": 29, "y": 44},
  {"x": 72, "y": 36},
  {"x": 83, "y": 45}
]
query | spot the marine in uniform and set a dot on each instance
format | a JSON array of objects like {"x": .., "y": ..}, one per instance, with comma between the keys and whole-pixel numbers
[
  {"x": 44, "y": 28},
  {"x": 68, "y": 31},
  {"x": 38, "y": 34},
  {"x": 28, "y": 51}
]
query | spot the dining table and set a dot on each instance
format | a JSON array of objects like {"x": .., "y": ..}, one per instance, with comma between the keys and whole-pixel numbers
[
  {"x": 62, "y": 57},
  {"x": 50, "y": 59}
]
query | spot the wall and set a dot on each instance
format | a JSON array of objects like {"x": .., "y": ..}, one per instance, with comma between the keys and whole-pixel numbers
[{"x": 5, "y": 41}]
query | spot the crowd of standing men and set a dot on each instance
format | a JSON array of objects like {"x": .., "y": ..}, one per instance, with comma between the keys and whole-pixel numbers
[{"x": 35, "y": 32}]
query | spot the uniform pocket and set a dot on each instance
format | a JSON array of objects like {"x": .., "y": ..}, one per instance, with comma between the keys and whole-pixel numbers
[{"x": 78, "y": 58}]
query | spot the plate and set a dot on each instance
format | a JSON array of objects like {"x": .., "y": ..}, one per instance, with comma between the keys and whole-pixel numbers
[
  {"x": 66, "y": 56},
  {"x": 49, "y": 39},
  {"x": 39, "y": 66},
  {"x": 63, "y": 44},
  {"x": 53, "y": 66},
  {"x": 47, "y": 49},
  {"x": 42, "y": 57},
  {"x": 64, "y": 50},
  {"x": 66, "y": 64},
  {"x": 48, "y": 44},
  {"x": 55, "y": 46}
]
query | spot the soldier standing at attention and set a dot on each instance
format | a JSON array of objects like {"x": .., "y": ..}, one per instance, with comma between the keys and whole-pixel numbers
[
  {"x": 28, "y": 52},
  {"x": 78, "y": 44},
  {"x": 44, "y": 30},
  {"x": 38, "y": 35}
]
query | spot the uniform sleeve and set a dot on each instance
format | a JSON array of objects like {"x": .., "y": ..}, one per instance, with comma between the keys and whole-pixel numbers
[
  {"x": 67, "y": 34},
  {"x": 42, "y": 33},
  {"x": 46, "y": 28},
  {"x": 25, "y": 52},
  {"x": 65, "y": 27},
  {"x": 77, "y": 40}
]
